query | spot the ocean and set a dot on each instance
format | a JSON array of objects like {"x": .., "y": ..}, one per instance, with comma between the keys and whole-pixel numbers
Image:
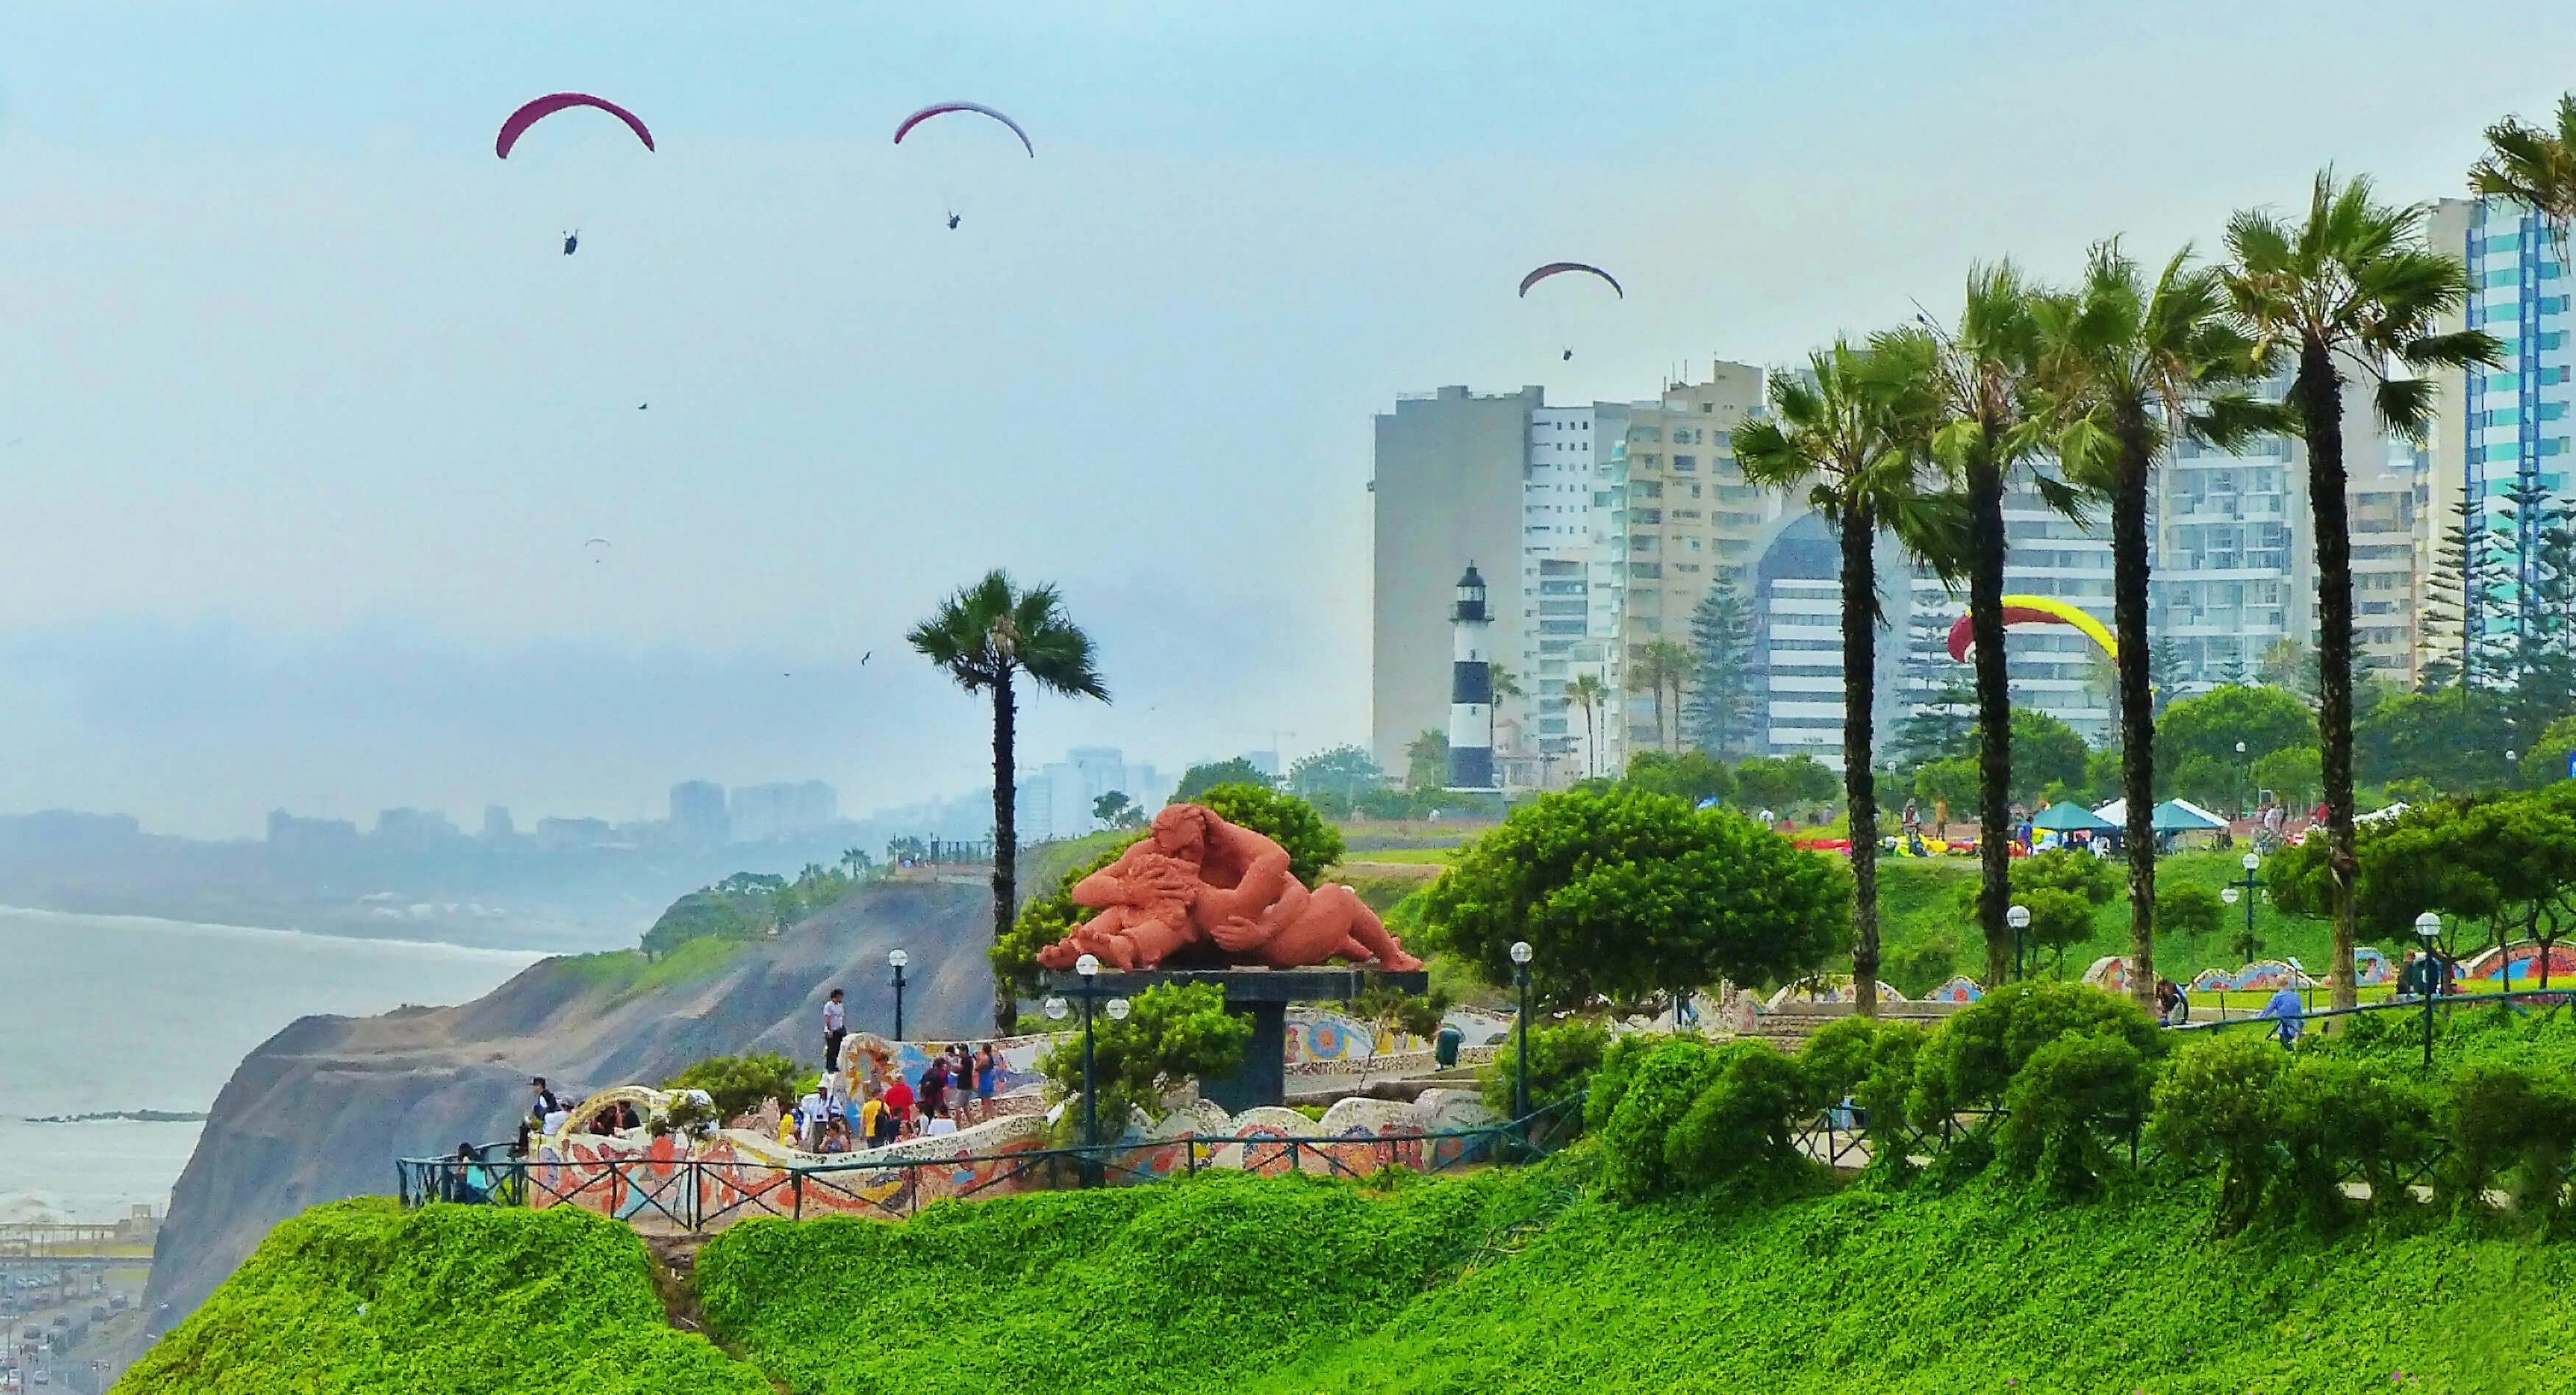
[{"x": 103, "y": 1013}]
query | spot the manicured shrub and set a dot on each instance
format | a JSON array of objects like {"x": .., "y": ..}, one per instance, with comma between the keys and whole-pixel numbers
[
  {"x": 2212, "y": 1107},
  {"x": 1659, "y": 1092},
  {"x": 2333, "y": 1116},
  {"x": 2512, "y": 1124},
  {"x": 1609, "y": 1085},
  {"x": 1869, "y": 1061},
  {"x": 1737, "y": 1134},
  {"x": 2064, "y": 1104}
]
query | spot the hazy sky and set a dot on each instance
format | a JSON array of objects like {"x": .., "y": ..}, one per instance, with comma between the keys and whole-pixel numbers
[{"x": 304, "y": 418}]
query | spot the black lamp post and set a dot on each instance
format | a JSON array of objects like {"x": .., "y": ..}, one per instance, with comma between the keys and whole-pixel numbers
[
  {"x": 1089, "y": 967},
  {"x": 2019, "y": 919},
  {"x": 898, "y": 959},
  {"x": 1520, "y": 1029},
  {"x": 2428, "y": 928},
  {"x": 2245, "y": 887}
]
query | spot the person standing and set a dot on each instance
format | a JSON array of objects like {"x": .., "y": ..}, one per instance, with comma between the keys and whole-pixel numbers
[
  {"x": 934, "y": 1087},
  {"x": 988, "y": 1070},
  {"x": 898, "y": 1104},
  {"x": 836, "y": 1025},
  {"x": 2288, "y": 1011}
]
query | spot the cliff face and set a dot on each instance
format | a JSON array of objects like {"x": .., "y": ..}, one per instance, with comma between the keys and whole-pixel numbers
[{"x": 321, "y": 1110}]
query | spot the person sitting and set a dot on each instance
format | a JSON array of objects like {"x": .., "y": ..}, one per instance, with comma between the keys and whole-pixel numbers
[
  {"x": 2173, "y": 1009},
  {"x": 836, "y": 1137},
  {"x": 467, "y": 1181}
]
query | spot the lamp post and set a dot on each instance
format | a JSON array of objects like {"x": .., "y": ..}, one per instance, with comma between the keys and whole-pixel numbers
[
  {"x": 1520, "y": 1028},
  {"x": 2019, "y": 919},
  {"x": 898, "y": 958},
  {"x": 2240, "y": 783},
  {"x": 2247, "y": 885},
  {"x": 1089, "y": 967},
  {"x": 2428, "y": 928}
]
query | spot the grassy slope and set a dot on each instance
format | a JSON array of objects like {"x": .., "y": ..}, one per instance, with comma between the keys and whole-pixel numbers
[
  {"x": 1290, "y": 1286},
  {"x": 457, "y": 1299},
  {"x": 1921, "y": 902}
]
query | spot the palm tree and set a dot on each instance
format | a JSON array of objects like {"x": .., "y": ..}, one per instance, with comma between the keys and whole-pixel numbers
[
  {"x": 2354, "y": 286},
  {"x": 1982, "y": 379},
  {"x": 1500, "y": 683},
  {"x": 2126, "y": 367},
  {"x": 1588, "y": 693},
  {"x": 1852, "y": 439},
  {"x": 2535, "y": 167},
  {"x": 1662, "y": 664},
  {"x": 985, "y": 636}
]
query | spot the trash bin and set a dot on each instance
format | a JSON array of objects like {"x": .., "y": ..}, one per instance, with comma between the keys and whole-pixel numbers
[{"x": 1444, "y": 1049}]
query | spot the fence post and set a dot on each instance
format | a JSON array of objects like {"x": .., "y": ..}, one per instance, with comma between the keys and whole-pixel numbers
[{"x": 796, "y": 1190}]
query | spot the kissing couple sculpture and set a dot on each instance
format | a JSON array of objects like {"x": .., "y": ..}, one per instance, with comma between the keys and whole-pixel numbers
[{"x": 1206, "y": 889}]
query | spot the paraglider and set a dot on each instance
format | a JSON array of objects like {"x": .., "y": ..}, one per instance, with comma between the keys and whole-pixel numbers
[
  {"x": 1559, "y": 268},
  {"x": 595, "y": 557},
  {"x": 543, "y": 107},
  {"x": 953, "y": 220},
  {"x": 2035, "y": 610},
  {"x": 946, "y": 108},
  {"x": 571, "y": 240}
]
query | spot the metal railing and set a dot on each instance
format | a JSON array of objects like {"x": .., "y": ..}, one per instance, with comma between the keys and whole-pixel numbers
[
  {"x": 2443, "y": 1002},
  {"x": 699, "y": 1194}
]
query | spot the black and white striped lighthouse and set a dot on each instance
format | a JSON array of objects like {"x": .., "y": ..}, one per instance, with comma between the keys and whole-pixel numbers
[{"x": 1471, "y": 689}]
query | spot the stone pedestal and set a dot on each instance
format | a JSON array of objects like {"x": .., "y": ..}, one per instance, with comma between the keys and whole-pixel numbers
[{"x": 1264, "y": 996}]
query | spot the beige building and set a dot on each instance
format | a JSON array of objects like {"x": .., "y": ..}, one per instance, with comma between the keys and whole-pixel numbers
[{"x": 1691, "y": 521}]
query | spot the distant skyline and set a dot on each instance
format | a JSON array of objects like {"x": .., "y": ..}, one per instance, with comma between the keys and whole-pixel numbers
[{"x": 304, "y": 417}]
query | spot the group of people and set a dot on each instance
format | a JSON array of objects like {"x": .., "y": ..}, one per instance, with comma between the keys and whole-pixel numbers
[{"x": 853, "y": 1108}]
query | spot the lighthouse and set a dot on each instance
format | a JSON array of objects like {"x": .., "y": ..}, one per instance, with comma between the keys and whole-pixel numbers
[{"x": 1471, "y": 689}]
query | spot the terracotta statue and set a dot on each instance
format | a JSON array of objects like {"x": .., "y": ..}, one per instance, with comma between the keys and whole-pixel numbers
[{"x": 1200, "y": 883}]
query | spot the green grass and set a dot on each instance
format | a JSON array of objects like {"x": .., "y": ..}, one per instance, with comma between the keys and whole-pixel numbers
[
  {"x": 627, "y": 973},
  {"x": 1437, "y": 857},
  {"x": 357, "y": 1297},
  {"x": 1928, "y": 923},
  {"x": 1504, "y": 1282}
]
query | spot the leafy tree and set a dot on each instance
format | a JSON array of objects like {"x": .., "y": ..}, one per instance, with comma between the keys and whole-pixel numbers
[
  {"x": 1783, "y": 783},
  {"x": 1312, "y": 844},
  {"x": 2059, "y": 919},
  {"x": 1985, "y": 377},
  {"x": 2046, "y": 751},
  {"x": 2188, "y": 909},
  {"x": 1562, "y": 1057},
  {"x": 1199, "y": 779},
  {"x": 906, "y": 848},
  {"x": 2210, "y": 1107},
  {"x": 2546, "y": 762},
  {"x": 986, "y": 637},
  {"x": 1626, "y": 893},
  {"x": 1663, "y": 665},
  {"x": 2507, "y": 862},
  {"x": 738, "y": 1084},
  {"x": 1172, "y": 1033},
  {"x": 1722, "y": 714},
  {"x": 2209, "y": 726},
  {"x": 1690, "y": 775},
  {"x": 2064, "y": 869},
  {"x": 1345, "y": 770},
  {"x": 2451, "y": 738},
  {"x": 2293, "y": 774},
  {"x": 1426, "y": 761},
  {"x": 1116, "y": 810},
  {"x": 743, "y": 906},
  {"x": 1848, "y": 433},
  {"x": 1949, "y": 784},
  {"x": 2354, "y": 284},
  {"x": 2126, "y": 363}
]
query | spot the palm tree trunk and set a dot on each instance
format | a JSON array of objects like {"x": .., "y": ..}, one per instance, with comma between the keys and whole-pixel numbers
[
  {"x": 2137, "y": 711},
  {"x": 2319, "y": 390},
  {"x": 1860, "y": 794},
  {"x": 1659, "y": 711},
  {"x": 1006, "y": 846},
  {"x": 1994, "y": 705}
]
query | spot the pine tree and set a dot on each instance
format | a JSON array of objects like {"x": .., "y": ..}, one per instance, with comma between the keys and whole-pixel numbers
[
  {"x": 1722, "y": 715},
  {"x": 1940, "y": 696}
]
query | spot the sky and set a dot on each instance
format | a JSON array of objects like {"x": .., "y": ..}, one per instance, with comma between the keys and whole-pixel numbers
[{"x": 305, "y": 420}]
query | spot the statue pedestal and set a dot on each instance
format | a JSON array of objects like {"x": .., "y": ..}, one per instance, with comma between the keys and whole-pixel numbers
[{"x": 1264, "y": 995}]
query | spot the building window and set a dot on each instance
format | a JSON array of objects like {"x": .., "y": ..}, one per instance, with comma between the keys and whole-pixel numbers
[
  {"x": 1684, "y": 464},
  {"x": 1646, "y": 571}
]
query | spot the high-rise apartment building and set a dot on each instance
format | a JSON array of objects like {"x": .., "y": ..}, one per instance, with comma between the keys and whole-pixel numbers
[
  {"x": 759, "y": 813},
  {"x": 698, "y": 813},
  {"x": 2504, "y": 430},
  {"x": 1573, "y": 587},
  {"x": 1447, "y": 492}
]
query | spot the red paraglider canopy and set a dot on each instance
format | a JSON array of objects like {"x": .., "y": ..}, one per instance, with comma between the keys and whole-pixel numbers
[
  {"x": 1552, "y": 268},
  {"x": 943, "y": 108},
  {"x": 546, "y": 106}
]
